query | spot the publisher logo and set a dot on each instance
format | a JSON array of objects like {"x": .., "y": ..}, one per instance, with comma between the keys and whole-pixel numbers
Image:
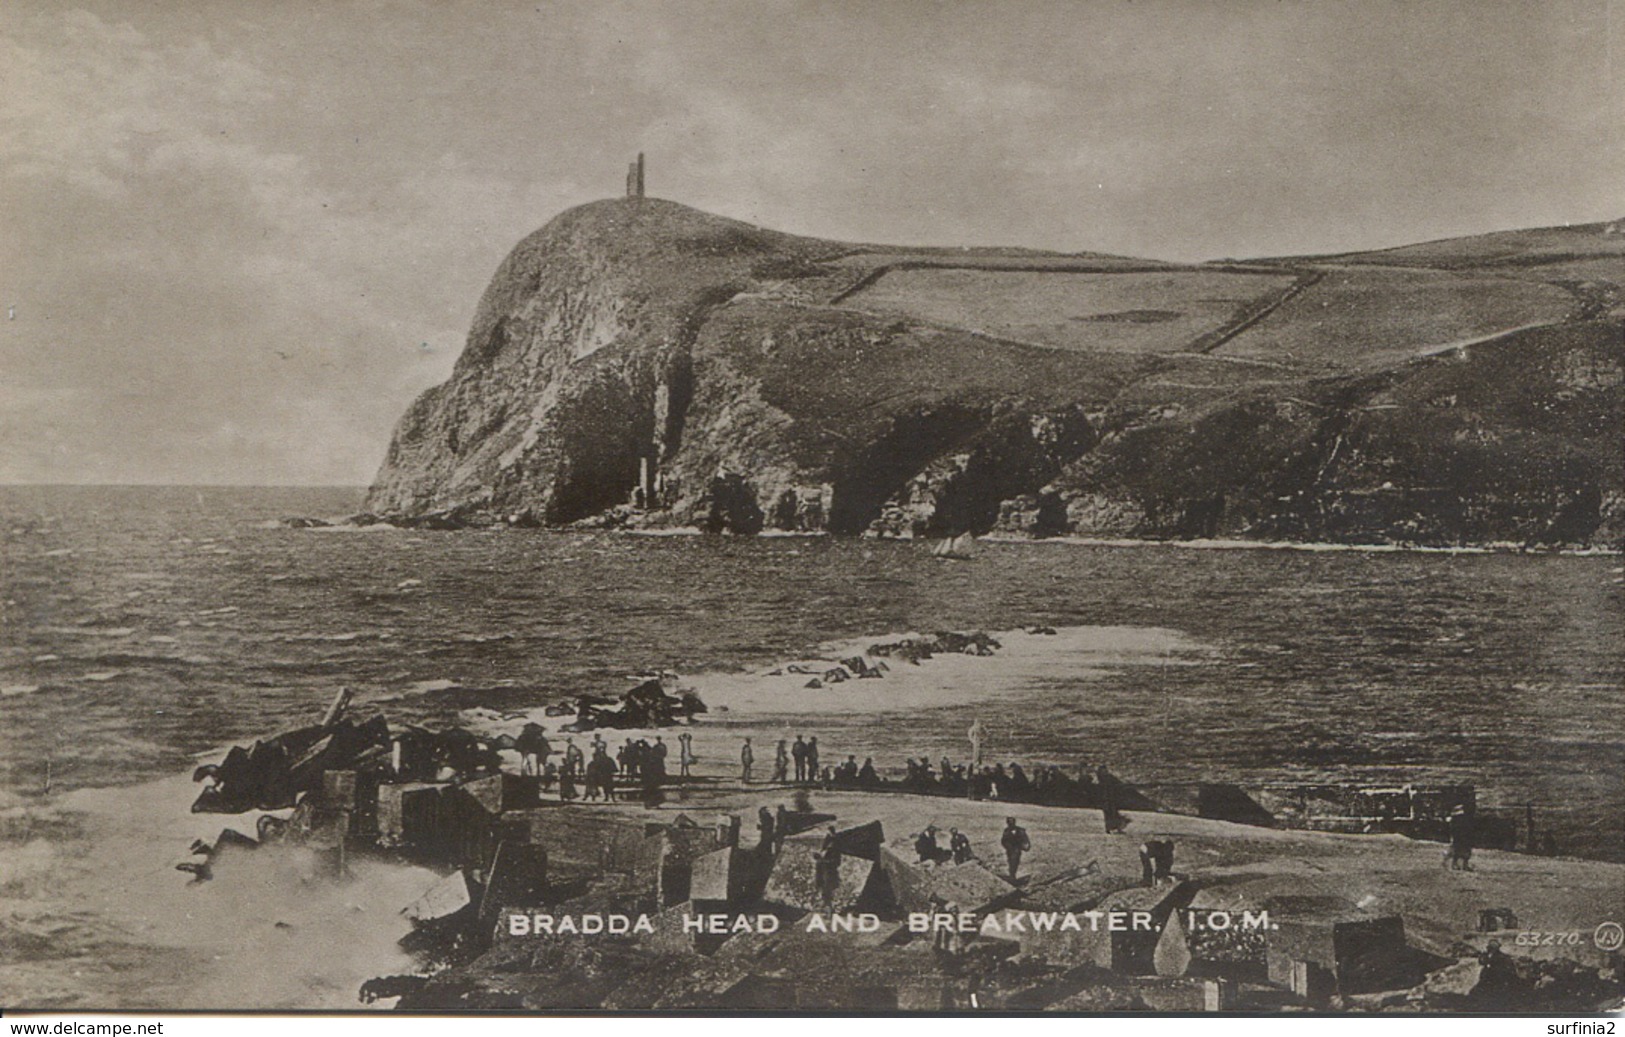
[{"x": 1609, "y": 936}]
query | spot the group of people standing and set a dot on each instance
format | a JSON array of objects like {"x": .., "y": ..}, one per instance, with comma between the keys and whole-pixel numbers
[
  {"x": 644, "y": 764},
  {"x": 803, "y": 753},
  {"x": 637, "y": 762}
]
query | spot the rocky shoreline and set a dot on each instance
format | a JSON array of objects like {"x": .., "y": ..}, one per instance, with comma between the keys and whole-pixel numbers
[{"x": 454, "y": 521}]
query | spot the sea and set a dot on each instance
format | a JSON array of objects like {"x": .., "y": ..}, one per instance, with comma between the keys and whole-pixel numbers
[{"x": 145, "y": 629}]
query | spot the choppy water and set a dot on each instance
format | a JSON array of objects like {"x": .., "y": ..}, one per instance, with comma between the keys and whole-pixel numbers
[{"x": 142, "y": 626}]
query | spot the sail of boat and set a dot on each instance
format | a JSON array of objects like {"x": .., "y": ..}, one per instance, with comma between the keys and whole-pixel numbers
[{"x": 961, "y": 546}]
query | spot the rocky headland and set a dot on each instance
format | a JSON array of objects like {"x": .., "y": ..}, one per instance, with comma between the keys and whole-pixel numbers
[{"x": 637, "y": 363}]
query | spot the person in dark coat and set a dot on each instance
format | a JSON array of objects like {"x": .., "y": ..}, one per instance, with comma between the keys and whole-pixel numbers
[
  {"x": 653, "y": 777},
  {"x": 1157, "y": 861},
  {"x": 1460, "y": 855},
  {"x": 981, "y": 782},
  {"x": 925, "y": 846},
  {"x": 1105, "y": 789},
  {"x": 812, "y": 758},
  {"x": 847, "y": 773},
  {"x": 605, "y": 779},
  {"x": 643, "y": 754},
  {"x": 798, "y": 751},
  {"x": 827, "y": 868},
  {"x": 589, "y": 776},
  {"x": 567, "y": 779},
  {"x": 765, "y": 829},
  {"x": 1499, "y": 984},
  {"x": 959, "y": 846},
  {"x": 1015, "y": 843},
  {"x": 1020, "y": 784}
]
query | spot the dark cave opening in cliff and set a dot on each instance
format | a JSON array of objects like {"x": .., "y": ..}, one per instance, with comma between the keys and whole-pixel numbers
[{"x": 885, "y": 467}]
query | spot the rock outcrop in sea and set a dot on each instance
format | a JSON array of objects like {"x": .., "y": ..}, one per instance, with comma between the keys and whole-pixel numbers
[{"x": 640, "y": 363}]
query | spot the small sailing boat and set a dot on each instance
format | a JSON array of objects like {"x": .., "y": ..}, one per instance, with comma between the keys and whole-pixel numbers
[{"x": 962, "y": 546}]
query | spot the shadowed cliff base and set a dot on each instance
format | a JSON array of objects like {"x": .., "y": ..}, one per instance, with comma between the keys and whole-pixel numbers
[{"x": 637, "y": 363}]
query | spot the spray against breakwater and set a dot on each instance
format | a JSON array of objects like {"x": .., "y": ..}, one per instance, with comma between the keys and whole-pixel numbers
[{"x": 100, "y": 916}]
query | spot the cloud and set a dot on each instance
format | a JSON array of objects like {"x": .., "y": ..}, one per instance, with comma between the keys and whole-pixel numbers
[{"x": 194, "y": 304}]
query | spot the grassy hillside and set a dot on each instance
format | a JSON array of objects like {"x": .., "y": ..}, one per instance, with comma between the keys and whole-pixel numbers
[
  {"x": 1504, "y": 248},
  {"x": 1137, "y": 312},
  {"x": 1356, "y": 319}
]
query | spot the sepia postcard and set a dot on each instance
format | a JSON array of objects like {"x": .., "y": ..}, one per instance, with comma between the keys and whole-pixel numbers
[{"x": 716, "y": 506}]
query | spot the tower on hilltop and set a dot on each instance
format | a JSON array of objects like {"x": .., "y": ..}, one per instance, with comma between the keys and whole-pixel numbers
[{"x": 634, "y": 178}]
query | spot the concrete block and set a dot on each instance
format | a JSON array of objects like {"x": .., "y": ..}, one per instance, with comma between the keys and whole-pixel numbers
[
  {"x": 1495, "y": 919},
  {"x": 499, "y": 793},
  {"x": 793, "y": 881},
  {"x": 1371, "y": 954},
  {"x": 1134, "y": 949},
  {"x": 861, "y": 841},
  {"x": 1312, "y": 982},
  {"x": 519, "y": 877},
  {"x": 729, "y": 876},
  {"x": 441, "y": 900},
  {"x": 969, "y": 886},
  {"x": 1172, "y": 954},
  {"x": 1361, "y": 954},
  {"x": 339, "y": 789},
  {"x": 406, "y": 812}
]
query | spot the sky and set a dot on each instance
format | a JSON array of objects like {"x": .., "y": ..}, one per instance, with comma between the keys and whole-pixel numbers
[{"x": 238, "y": 238}]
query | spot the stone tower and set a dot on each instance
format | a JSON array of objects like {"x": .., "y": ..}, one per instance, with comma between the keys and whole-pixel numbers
[{"x": 634, "y": 178}]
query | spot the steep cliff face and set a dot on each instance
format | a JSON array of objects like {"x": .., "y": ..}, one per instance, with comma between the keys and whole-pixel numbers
[
  {"x": 1513, "y": 440},
  {"x": 642, "y": 363},
  {"x": 577, "y": 366}
]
